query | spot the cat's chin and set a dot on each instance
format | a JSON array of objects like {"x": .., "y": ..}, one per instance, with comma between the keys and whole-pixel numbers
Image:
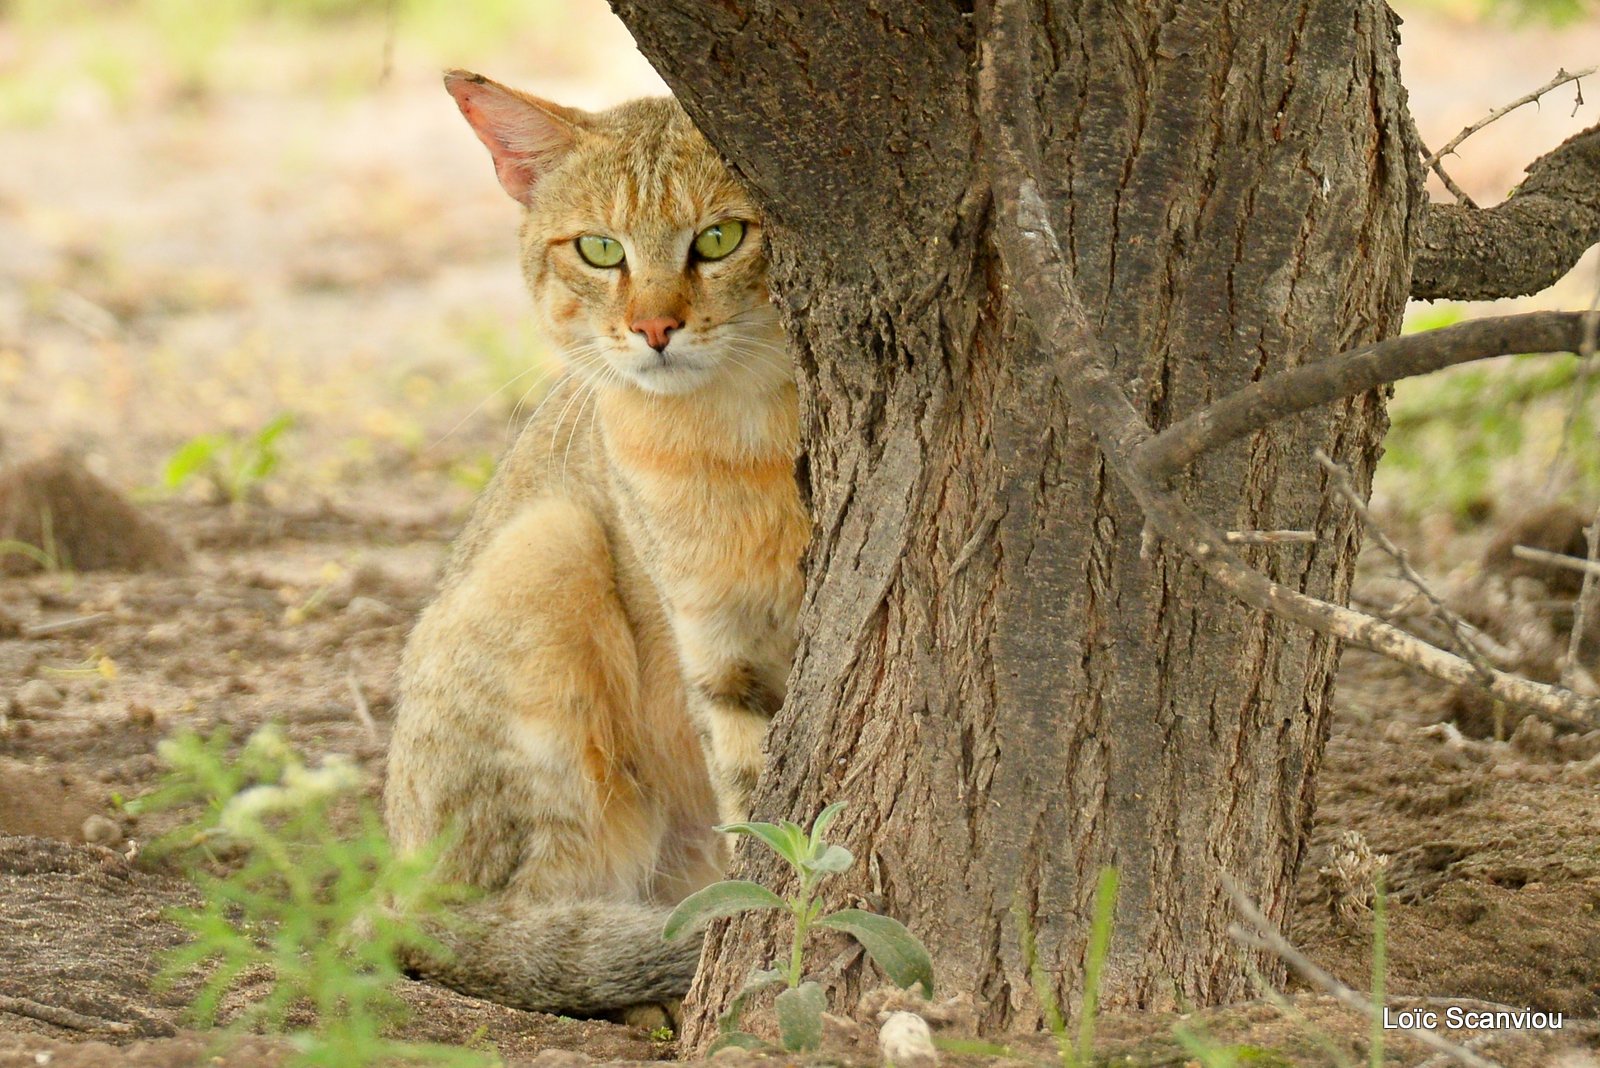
[{"x": 670, "y": 380}]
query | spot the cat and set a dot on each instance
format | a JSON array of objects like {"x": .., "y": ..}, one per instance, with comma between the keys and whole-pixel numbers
[{"x": 588, "y": 692}]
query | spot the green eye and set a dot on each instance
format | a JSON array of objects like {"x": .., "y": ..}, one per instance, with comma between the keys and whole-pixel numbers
[
  {"x": 718, "y": 239},
  {"x": 598, "y": 250}
]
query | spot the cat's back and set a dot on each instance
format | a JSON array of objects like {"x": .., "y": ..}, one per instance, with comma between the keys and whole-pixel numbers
[{"x": 556, "y": 454}]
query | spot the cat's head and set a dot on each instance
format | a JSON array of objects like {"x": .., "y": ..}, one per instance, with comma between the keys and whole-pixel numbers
[{"x": 643, "y": 254}]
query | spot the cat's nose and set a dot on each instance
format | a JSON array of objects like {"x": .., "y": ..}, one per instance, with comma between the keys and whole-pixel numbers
[{"x": 657, "y": 331}]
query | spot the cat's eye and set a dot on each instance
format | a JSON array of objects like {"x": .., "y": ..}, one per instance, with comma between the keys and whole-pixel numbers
[
  {"x": 718, "y": 239},
  {"x": 598, "y": 250}
]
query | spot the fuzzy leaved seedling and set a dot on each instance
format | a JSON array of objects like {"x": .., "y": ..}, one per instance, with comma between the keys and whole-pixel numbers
[{"x": 891, "y": 946}]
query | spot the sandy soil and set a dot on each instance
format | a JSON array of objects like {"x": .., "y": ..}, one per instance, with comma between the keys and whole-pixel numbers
[{"x": 276, "y": 245}]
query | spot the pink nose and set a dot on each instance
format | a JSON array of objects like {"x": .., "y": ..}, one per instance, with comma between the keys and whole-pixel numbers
[{"x": 657, "y": 331}]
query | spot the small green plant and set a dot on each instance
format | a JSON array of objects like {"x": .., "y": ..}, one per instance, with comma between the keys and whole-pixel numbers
[
  {"x": 235, "y": 465},
  {"x": 326, "y": 917},
  {"x": 473, "y": 472},
  {"x": 47, "y": 554},
  {"x": 1075, "y": 1050},
  {"x": 800, "y": 1006},
  {"x": 42, "y": 557},
  {"x": 1209, "y": 1053}
]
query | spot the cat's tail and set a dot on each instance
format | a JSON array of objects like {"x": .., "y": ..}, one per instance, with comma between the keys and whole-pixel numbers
[{"x": 575, "y": 958}]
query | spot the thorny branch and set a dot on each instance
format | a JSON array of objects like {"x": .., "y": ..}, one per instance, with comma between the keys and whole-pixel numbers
[
  {"x": 1042, "y": 286},
  {"x": 1435, "y": 160},
  {"x": 1522, "y": 244},
  {"x": 1449, "y": 183},
  {"x": 1525, "y": 243},
  {"x": 1562, "y": 78}
]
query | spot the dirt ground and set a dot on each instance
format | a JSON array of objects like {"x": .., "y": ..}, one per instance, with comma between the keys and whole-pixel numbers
[{"x": 190, "y": 252}]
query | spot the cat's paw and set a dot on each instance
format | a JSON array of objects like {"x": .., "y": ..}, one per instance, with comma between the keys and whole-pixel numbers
[{"x": 654, "y": 1015}]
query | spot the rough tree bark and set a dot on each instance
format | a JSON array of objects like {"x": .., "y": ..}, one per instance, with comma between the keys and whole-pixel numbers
[{"x": 1008, "y": 683}]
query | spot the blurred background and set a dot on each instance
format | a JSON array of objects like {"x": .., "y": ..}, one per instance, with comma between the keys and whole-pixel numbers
[{"x": 229, "y": 220}]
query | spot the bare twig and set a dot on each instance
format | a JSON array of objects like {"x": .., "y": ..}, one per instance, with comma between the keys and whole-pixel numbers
[
  {"x": 1041, "y": 285},
  {"x": 1580, "y": 388},
  {"x": 1449, "y": 182},
  {"x": 1270, "y": 537},
  {"x": 54, "y": 1014},
  {"x": 1439, "y": 1060},
  {"x": 1562, "y": 78},
  {"x": 65, "y": 626},
  {"x": 362, "y": 710},
  {"x": 1463, "y": 635},
  {"x": 1266, "y": 936},
  {"x": 1588, "y": 601},
  {"x": 1545, "y": 556},
  {"x": 1287, "y": 1008}
]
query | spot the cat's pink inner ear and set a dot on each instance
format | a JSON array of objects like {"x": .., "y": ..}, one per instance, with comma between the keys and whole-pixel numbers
[{"x": 525, "y": 136}]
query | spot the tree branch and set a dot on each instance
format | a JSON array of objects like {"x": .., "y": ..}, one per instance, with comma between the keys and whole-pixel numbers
[
  {"x": 1521, "y": 245},
  {"x": 1042, "y": 285},
  {"x": 1324, "y": 381}
]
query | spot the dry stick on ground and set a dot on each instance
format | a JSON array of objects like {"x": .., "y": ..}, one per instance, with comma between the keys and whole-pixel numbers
[
  {"x": 1041, "y": 283},
  {"x": 65, "y": 626},
  {"x": 1266, "y": 936},
  {"x": 362, "y": 710},
  {"x": 54, "y": 1014},
  {"x": 1465, "y": 636},
  {"x": 1545, "y": 556}
]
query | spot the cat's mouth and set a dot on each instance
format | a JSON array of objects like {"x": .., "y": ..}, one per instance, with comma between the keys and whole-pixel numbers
[{"x": 669, "y": 372}]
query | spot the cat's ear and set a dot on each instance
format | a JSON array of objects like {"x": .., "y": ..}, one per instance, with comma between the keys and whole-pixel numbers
[{"x": 525, "y": 135}]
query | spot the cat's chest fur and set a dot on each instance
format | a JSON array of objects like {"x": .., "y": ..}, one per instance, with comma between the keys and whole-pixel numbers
[{"x": 718, "y": 525}]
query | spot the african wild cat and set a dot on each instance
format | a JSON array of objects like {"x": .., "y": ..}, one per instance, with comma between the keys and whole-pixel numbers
[{"x": 618, "y": 615}]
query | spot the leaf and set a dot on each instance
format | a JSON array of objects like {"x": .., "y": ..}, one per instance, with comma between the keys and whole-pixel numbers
[
  {"x": 800, "y": 1016},
  {"x": 776, "y": 838},
  {"x": 760, "y": 979},
  {"x": 273, "y": 430},
  {"x": 823, "y": 820},
  {"x": 719, "y": 899},
  {"x": 736, "y": 1039},
  {"x": 190, "y": 458},
  {"x": 890, "y": 945},
  {"x": 833, "y": 859}
]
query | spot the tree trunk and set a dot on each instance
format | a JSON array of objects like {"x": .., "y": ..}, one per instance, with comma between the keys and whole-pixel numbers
[{"x": 1007, "y": 684}]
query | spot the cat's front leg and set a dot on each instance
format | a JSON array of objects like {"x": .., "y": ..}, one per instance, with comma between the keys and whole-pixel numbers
[
  {"x": 734, "y": 706},
  {"x": 736, "y": 672}
]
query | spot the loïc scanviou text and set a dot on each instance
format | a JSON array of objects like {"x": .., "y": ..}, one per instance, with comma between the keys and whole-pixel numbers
[{"x": 1459, "y": 1019}]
